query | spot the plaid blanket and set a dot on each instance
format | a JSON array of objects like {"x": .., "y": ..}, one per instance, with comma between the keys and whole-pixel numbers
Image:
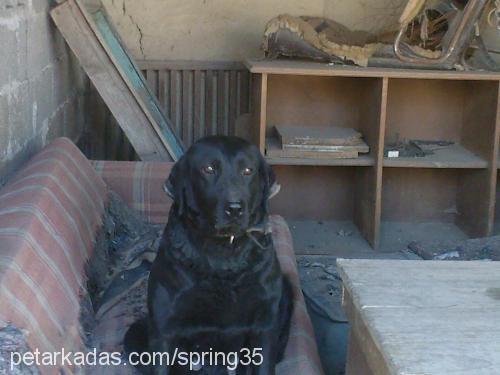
[{"x": 50, "y": 212}]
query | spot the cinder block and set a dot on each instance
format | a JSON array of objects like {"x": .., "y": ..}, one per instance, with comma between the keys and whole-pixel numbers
[
  {"x": 4, "y": 125},
  {"x": 41, "y": 6},
  {"x": 40, "y": 45},
  {"x": 78, "y": 77},
  {"x": 47, "y": 100},
  {"x": 62, "y": 81},
  {"x": 20, "y": 113},
  {"x": 44, "y": 95},
  {"x": 70, "y": 119},
  {"x": 11, "y": 67},
  {"x": 55, "y": 125},
  {"x": 8, "y": 167}
]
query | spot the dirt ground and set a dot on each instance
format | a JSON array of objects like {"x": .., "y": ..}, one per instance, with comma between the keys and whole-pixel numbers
[{"x": 342, "y": 239}]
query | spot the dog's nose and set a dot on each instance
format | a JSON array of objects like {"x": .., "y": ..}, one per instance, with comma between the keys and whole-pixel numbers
[{"x": 234, "y": 209}]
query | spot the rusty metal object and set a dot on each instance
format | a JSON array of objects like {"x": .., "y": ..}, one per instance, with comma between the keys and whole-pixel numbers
[{"x": 456, "y": 40}]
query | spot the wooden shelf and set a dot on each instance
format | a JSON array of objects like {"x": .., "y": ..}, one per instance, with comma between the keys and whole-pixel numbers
[
  {"x": 364, "y": 160},
  {"x": 454, "y": 185},
  {"x": 454, "y": 156},
  {"x": 294, "y": 67}
]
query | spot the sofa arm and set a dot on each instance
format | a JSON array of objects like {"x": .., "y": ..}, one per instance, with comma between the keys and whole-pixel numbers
[
  {"x": 140, "y": 185},
  {"x": 49, "y": 215}
]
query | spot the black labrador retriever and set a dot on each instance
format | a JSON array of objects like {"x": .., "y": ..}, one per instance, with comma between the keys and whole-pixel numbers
[{"x": 216, "y": 285}]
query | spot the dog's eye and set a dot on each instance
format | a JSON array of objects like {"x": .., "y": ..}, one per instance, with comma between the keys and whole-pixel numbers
[
  {"x": 208, "y": 169},
  {"x": 247, "y": 171}
]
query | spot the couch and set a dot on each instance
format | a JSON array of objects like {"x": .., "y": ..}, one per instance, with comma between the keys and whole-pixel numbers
[{"x": 50, "y": 213}]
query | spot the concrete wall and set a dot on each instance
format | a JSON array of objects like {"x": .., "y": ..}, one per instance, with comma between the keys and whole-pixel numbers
[
  {"x": 41, "y": 83},
  {"x": 228, "y": 29}
]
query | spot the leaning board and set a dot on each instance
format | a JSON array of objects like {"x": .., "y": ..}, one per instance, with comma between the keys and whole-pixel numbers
[{"x": 117, "y": 80}]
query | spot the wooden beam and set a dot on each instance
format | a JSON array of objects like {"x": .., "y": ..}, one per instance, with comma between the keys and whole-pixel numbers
[{"x": 118, "y": 81}]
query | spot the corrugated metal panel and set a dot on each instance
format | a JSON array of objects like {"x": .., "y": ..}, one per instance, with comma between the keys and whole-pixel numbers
[{"x": 200, "y": 98}]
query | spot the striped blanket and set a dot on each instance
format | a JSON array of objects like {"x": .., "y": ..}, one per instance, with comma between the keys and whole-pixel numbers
[{"x": 50, "y": 212}]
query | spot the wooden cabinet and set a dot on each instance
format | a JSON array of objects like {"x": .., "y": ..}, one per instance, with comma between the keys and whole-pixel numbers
[{"x": 456, "y": 185}]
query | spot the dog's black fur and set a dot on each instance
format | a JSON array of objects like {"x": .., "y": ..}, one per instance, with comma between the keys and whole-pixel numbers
[{"x": 208, "y": 290}]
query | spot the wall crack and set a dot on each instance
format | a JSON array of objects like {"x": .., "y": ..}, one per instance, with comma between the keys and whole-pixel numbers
[{"x": 138, "y": 28}]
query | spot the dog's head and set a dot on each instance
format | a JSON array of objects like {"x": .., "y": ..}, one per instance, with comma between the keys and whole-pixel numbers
[{"x": 222, "y": 185}]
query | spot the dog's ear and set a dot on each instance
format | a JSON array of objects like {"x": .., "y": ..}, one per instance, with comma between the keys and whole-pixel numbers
[
  {"x": 271, "y": 187},
  {"x": 174, "y": 186}
]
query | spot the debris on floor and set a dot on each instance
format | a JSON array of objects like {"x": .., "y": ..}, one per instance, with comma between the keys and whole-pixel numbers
[
  {"x": 487, "y": 249},
  {"x": 125, "y": 249},
  {"x": 12, "y": 340},
  {"x": 414, "y": 148}
]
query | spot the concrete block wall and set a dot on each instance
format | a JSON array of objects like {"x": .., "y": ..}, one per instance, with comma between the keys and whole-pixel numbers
[{"x": 42, "y": 86}]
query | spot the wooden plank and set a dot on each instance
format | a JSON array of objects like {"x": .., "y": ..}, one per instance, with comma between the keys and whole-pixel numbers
[
  {"x": 210, "y": 108},
  {"x": 420, "y": 195},
  {"x": 187, "y": 107},
  {"x": 176, "y": 100},
  {"x": 190, "y": 65},
  {"x": 163, "y": 91},
  {"x": 221, "y": 102},
  {"x": 364, "y": 355},
  {"x": 152, "y": 79},
  {"x": 106, "y": 78},
  {"x": 329, "y": 192},
  {"x": 244, "y": 80},
  {"x": 323, "y": 69},
  {"x": 477, "y": 191},
  {"x": 372, "y": 122},
  {"x": 356, "y": 362},
  {"x": 275, "y": 155},
  {"x": 424, "y": 317},
  {"x": 273, "y": 150},
  {"x": 259, "y": 110},
  {"x": 199, "y": 105},
  {"x": 233, "y": 96},
  {"x": 311, "y": 135},
  {"x": 135, "y": 81}
]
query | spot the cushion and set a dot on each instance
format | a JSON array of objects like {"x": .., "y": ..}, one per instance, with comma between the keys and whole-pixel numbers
[{"x": 49, "y": 215}]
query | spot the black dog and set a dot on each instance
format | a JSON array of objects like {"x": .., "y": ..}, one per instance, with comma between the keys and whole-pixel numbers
[{"x": 216, "y": 284}]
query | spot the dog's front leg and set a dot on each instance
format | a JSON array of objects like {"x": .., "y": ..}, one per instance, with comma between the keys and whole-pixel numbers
[
  {"x": 161, "y": 348},
  {"x": 263, "y": 348}
]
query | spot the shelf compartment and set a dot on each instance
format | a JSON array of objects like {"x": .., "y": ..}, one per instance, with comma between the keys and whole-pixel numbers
[
  {"x": 324, "y": 101},
  {"x": 464, "y": 112},
  {"x": 452, "y": 196},
  {"x": 273, "y": 143},
  {"x": 325, "y": 193},
  {"x": 454, "y": 156}
]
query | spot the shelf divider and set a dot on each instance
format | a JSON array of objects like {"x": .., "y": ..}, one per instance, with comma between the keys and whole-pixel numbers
[
  {"x": 477, "y": 190},
  {"x": 368, "y": 204},
  {"x": 259, "y": 110}
]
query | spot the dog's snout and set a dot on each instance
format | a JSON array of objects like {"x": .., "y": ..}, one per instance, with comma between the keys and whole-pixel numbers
[{"x": 234, "y": 209}]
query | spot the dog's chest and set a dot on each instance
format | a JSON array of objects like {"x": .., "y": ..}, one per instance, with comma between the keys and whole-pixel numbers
[{"x": 221, "y": 304}]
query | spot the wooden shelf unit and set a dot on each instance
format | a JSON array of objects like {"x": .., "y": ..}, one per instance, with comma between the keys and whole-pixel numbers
[{"x": 455, "y": 185}]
